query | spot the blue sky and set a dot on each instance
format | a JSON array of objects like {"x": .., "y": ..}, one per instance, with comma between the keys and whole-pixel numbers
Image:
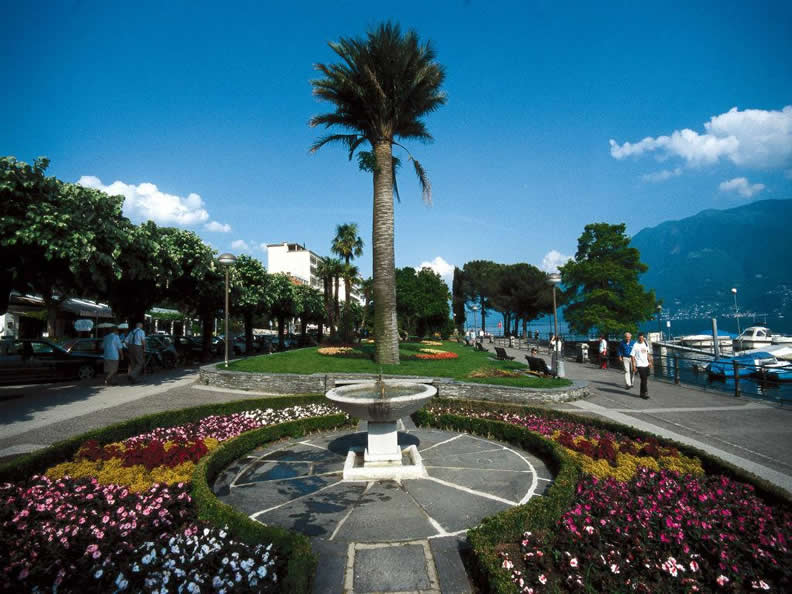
[{"x": 210, "y": 104}]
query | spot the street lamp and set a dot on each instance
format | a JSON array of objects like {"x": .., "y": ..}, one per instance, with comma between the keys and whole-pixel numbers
[
  {"x": 226, "y": 260},
  {"x": 736, "y": 314},
  {"x": 659, "y": 325},
  {"x": 557, "y": 362},
  {"x": 474, "y": 309}
]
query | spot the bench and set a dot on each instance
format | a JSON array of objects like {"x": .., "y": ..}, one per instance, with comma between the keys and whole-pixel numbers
[
  {"x": 538, "y": 365},
  {"x": 479, "y": 347},
  {"x": 500, "y": 354}
]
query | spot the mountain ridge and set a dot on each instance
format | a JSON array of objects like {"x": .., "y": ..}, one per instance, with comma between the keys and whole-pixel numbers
[{"x": 695, "y": 261}]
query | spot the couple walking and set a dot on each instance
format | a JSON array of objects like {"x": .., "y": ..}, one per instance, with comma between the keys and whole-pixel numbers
[{"x": 635, "y": 356}]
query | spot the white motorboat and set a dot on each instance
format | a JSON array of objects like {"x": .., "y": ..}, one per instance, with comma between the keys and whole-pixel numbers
[
  {"x": 704, "y": 341},
  {"x": 753, "y": 337}
]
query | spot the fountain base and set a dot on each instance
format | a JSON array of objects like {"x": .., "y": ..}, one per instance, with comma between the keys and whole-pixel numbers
[{"x": 408, "y": 465}]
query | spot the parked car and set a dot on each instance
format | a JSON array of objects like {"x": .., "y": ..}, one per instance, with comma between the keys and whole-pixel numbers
[{"x": 24, "y": 361}]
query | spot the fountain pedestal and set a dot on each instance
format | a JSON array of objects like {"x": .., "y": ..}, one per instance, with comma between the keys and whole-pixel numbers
[
  {"x": 382, "y": 404},
  {"x": 382, "y": 444}
]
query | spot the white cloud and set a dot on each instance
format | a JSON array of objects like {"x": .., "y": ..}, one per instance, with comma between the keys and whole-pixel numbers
[
  {"x": 552, "y": 260},
  {"x": 146, "y": 202},
  {"x": 661, "y": 176},
  {"x": 742, "y": 186},
  {"x": 262, "y": 247},
  {"x": 241, "y": 245},
  {"x": 218, "y": 227},
  {"x": 441, "y": 267},
  {"x": 755, "y": 138}
]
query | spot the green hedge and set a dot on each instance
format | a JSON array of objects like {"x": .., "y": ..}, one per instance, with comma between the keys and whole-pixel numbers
[
  {"x": 540, "y": 513},
  {"x": 294, "y": 548}
]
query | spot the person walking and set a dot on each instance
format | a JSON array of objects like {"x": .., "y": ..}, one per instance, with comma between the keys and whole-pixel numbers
[
  {"x": 625, "y": 356},
  {"x": 603, "y": 352},
  {"x": 642, "y": 360},
  {"x": 136, "y": 345},
  {"x": 113, "y": 353}
]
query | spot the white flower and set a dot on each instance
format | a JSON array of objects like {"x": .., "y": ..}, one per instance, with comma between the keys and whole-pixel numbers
[
  {"x": 262, "y": 571},
  {"x": 98, "y": 574}
]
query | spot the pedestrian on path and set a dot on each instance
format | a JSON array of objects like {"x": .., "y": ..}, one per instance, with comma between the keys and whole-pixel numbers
[
  {"x": 642, "y": 360},
  {"x": 603, "y": 352},
  {"x": 136, "y": 345},
  {"x": 625, "y": 356},
  {"x": 113, "y": 353}
]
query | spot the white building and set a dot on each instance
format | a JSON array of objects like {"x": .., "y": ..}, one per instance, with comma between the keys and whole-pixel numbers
[{"x": 301, "y": 264}]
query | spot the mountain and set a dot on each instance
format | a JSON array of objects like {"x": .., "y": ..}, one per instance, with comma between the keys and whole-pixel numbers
[{"x": 694, "y": 262}]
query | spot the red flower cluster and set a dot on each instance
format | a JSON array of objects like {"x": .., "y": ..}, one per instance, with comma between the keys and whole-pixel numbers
[
  {"x": 436, "y": 356},
  {"x": 607, "y": 448},
  {"x": 150, "y": 455}
]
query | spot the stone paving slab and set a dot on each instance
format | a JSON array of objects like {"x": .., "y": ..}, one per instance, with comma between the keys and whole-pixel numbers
[
  {"x": 386, "y": 512},
  {"x": 373, "y": 569},
  {"x": 507, "y": 484}
]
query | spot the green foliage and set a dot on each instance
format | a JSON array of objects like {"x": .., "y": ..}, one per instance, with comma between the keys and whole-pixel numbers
[
  {"x": 458, "y": 299},
  {"x": 55, "y": 238},
  {"x": 421, "y": 301},
  {"x": 602, "y": 288},
  {"x": 480, "y": 285},
  {"x": 521, "y": 292}
]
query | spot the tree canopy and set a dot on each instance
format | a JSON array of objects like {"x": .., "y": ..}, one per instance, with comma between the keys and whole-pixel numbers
[
  {"x": 601, "y": 283},
  {"x": 422, "y": 302}
]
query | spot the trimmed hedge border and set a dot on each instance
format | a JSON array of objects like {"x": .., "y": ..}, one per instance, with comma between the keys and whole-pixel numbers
[
  {"x": 295, "y": 548},
  {"x": 542, "y": 513}
]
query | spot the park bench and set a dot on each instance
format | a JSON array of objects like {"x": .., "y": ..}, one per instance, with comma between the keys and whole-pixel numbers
[
  {"x": 500, "y": 354},
  {"x": 479, "y": 347},
  {"x": 538, "y": 365}
]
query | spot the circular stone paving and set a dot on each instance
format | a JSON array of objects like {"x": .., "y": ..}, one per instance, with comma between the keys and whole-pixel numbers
[{"x": 383, "y": 535}]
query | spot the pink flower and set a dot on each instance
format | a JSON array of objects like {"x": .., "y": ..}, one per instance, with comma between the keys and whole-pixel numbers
[
  {"x": 573, "y": 562},
  {"x": 722, "y": 580},
  {"x": 542, "y": 579}
]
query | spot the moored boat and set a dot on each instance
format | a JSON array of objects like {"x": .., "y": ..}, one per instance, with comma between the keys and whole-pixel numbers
[
  {"x": 753, "y": 337},
  {"x": 747, "y": 365}
]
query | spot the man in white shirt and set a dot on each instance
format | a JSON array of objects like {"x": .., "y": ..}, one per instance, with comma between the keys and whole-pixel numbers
[
  {"x": 603, "y": 352},
  {"x": 642, "y": 360}
]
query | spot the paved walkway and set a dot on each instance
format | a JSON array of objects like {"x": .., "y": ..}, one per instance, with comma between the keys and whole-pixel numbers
[{"x": 750, "y": 433}]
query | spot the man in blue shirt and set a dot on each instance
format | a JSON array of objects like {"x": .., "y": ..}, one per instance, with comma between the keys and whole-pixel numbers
[
  {"x": 625, "y": 356},
  {"x": 112, "y": 354}
]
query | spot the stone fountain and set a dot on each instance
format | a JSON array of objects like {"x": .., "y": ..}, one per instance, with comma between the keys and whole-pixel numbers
[{"x": 382, "y": 403}]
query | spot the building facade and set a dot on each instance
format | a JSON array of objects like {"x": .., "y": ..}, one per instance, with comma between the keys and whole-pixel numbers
[{"x": 301, "y": 264}]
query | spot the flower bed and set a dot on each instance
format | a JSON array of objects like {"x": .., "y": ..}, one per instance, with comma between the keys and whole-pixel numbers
[
  {"x": 347, "y": 352},
  {"x": 645, "y": 517},
  {"x": 432, "y": 342},
  {"x": 435, "y": 354},
  {"x": 118, "y": 517}
]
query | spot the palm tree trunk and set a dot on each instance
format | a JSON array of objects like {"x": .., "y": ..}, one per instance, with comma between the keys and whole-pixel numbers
[
  {"x": 385, "y": 324},
  {"x": 336, "y": 308}
]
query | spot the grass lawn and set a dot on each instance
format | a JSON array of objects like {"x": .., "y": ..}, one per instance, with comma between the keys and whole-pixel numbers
[{"x": 309, "y": 361}]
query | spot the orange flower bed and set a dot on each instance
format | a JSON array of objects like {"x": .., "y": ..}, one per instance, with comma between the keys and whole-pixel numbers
[{"x": 436, "y": 356}]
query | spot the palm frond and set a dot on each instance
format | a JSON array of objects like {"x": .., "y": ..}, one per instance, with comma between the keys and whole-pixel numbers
[
  {"x": 423, "y": 179},
  {"x": 352, "y": 141}
]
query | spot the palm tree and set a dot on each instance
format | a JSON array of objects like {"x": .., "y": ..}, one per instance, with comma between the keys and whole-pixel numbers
[
  {"x": 385, "y": 83},
  {"x": 330, "y": 270},
  {"x": 348, "y": 245},
  {"x": 350, "y": 274}
]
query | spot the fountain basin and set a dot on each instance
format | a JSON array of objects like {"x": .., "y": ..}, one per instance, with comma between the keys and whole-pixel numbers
[
  {"x": 382, "y": 457},
  {"x": 363, "y": 400}
]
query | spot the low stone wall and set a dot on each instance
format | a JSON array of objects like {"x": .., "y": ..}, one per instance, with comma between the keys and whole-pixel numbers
[{"x": 320, "y": 383}]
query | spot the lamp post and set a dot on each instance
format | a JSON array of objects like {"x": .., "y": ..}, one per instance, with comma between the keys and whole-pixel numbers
[
  {"x": 557, "y": 362},
  {"x": 659, "y": 324},
  {"x": 736, "y": 313},
  {"x": 475, "y": 309},
  {"x": 226, "y": 260}
]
